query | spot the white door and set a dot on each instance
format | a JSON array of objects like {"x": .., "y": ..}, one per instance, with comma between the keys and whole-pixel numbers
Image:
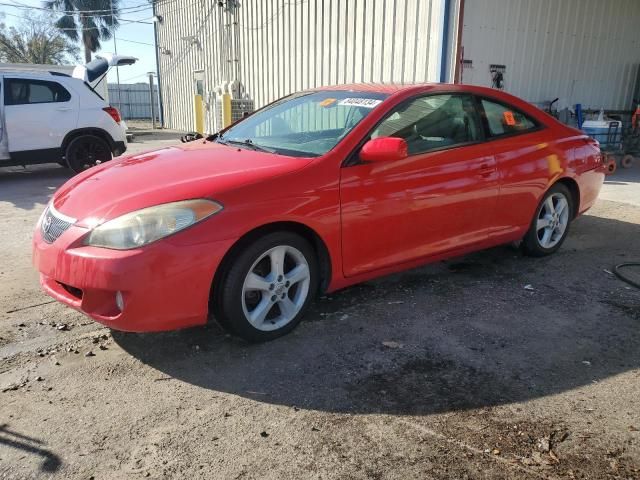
[{"x": 38, "y": 113}]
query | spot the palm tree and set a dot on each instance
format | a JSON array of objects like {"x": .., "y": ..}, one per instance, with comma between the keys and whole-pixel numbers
[{"x": 92, "y": 21}]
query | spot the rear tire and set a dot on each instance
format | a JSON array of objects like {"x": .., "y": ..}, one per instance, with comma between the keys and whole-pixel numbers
[
  {"x": 550, "y": 224},
  {"x": 268, "y": 287},
  {"x": 85, "y": 152}
]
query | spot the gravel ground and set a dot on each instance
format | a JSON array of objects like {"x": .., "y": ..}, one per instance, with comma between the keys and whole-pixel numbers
[{"x": 454, "y": 370}]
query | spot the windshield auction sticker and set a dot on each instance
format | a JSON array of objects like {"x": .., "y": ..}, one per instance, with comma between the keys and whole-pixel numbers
[
  {"x": 327, "y": 102},
  {"x": 360, "y": 102}
]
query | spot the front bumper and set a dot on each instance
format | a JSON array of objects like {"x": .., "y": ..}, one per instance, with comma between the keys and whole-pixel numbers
[{"x": 164, "y": 286}]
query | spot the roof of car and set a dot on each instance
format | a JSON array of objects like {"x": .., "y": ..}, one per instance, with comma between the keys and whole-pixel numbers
[
  {"x": 32, "y": 72},
  {"x": 395, "y": 88},
  {"x": 378, "y": 87},
  {"x": 392, "y": 88}
]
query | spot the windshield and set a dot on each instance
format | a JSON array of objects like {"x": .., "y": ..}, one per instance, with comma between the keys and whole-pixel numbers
[{"x": 304, "y": 124}]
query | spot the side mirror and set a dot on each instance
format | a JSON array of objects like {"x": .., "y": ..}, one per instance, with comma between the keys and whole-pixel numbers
[{"x": 384, "y": 149}]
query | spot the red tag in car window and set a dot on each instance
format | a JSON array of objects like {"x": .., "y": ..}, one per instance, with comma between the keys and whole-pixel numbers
[{"x": 509, "y": 119}]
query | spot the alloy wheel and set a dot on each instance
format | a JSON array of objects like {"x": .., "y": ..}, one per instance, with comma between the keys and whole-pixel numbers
[
  {"x": 275, "y": 288},
  {"x": 553, "y": 219},
  {"x": 87, "y": 153}
]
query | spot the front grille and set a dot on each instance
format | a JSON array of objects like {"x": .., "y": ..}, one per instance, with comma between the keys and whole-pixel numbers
[{"x": 54, "y": 224}]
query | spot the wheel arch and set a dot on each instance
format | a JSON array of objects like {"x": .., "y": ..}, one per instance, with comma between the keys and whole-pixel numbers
[
  {"x": 309, "y": 234},
  {"x": 79, "y": 132},
  {"x": 574, "y": 189}
]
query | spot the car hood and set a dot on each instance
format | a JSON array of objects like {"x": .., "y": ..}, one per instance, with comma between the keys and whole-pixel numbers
[{"x": 195, "y": 170}]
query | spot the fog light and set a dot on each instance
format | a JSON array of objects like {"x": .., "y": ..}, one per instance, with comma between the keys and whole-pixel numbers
[{"x": 119, "y": 301}]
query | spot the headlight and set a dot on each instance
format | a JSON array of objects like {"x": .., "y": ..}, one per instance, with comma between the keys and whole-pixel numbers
[{"x": 144, "y": 226}]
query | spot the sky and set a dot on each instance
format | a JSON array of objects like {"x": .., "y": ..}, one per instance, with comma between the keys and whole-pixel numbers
[{"x": 134, "y": 39}]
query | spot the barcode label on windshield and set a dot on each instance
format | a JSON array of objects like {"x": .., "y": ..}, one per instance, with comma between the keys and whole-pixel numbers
[{"x": 360, "y": 102}]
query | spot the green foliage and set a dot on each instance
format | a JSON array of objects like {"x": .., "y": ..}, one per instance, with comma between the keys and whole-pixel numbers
[
  {"x": 90, "y": 21},
  {"x": 36, "y": 40}
]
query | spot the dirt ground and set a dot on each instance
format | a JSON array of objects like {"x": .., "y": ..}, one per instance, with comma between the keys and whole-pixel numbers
[{"x": 451, "y": 371}]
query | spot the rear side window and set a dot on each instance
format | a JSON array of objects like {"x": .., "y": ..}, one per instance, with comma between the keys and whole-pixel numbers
[
  {"x": 23, "y": 91},
  {"x": 504, "y": 120}
]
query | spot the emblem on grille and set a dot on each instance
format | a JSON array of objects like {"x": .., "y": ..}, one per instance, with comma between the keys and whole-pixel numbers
[
  {"x": 54, "y": 224},
  {"x": 46, "y": 224}
]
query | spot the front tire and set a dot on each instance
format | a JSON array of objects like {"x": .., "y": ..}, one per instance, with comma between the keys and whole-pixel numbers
[
  {"x": 268, "y": 287},
  {"x": 550, "y": 224},
  {"x": 85, "y": 152}
]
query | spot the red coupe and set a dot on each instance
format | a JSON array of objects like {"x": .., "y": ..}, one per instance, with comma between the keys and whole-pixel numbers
[{"x": 317, "y": 191}]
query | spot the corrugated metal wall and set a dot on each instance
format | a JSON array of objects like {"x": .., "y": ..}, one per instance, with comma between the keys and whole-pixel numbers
[
  {"x": 585, "y": 51},
  {"x": 133, "y": 101},
  {"x": 277, "y": 47}
]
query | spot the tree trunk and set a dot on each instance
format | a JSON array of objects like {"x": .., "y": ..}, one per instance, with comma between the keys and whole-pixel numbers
[
  {"x": 87, "y": 53},
  {"x": 86, "y": 41}
]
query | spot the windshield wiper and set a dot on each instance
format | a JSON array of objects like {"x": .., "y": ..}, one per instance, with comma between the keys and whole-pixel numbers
[{"x": 246, "y": 143}]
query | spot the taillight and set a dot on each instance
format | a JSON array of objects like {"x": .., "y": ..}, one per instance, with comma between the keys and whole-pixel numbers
[
  {"x": 596, "y": 155},
  {"x": 114, "y": 113}
]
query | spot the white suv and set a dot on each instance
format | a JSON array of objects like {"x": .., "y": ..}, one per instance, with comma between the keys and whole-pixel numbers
[{"x": 48, "y": 117}]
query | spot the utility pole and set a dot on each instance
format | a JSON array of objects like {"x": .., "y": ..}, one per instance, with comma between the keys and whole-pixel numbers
[
  {"x": 152, "y": 100},
  {"x": 115, "y": 51}
]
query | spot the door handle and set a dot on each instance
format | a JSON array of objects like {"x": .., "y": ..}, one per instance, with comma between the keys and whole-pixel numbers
[{"x": 63, "y": 109}]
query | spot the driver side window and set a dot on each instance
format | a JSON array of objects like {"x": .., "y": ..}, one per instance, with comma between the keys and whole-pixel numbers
[{"x": 432, "y": 122}]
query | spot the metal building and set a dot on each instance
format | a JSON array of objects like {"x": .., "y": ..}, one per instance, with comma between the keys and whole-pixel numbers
[
  {"x": 584, "y": 51},
  {"x": 272, "y": 48}
]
